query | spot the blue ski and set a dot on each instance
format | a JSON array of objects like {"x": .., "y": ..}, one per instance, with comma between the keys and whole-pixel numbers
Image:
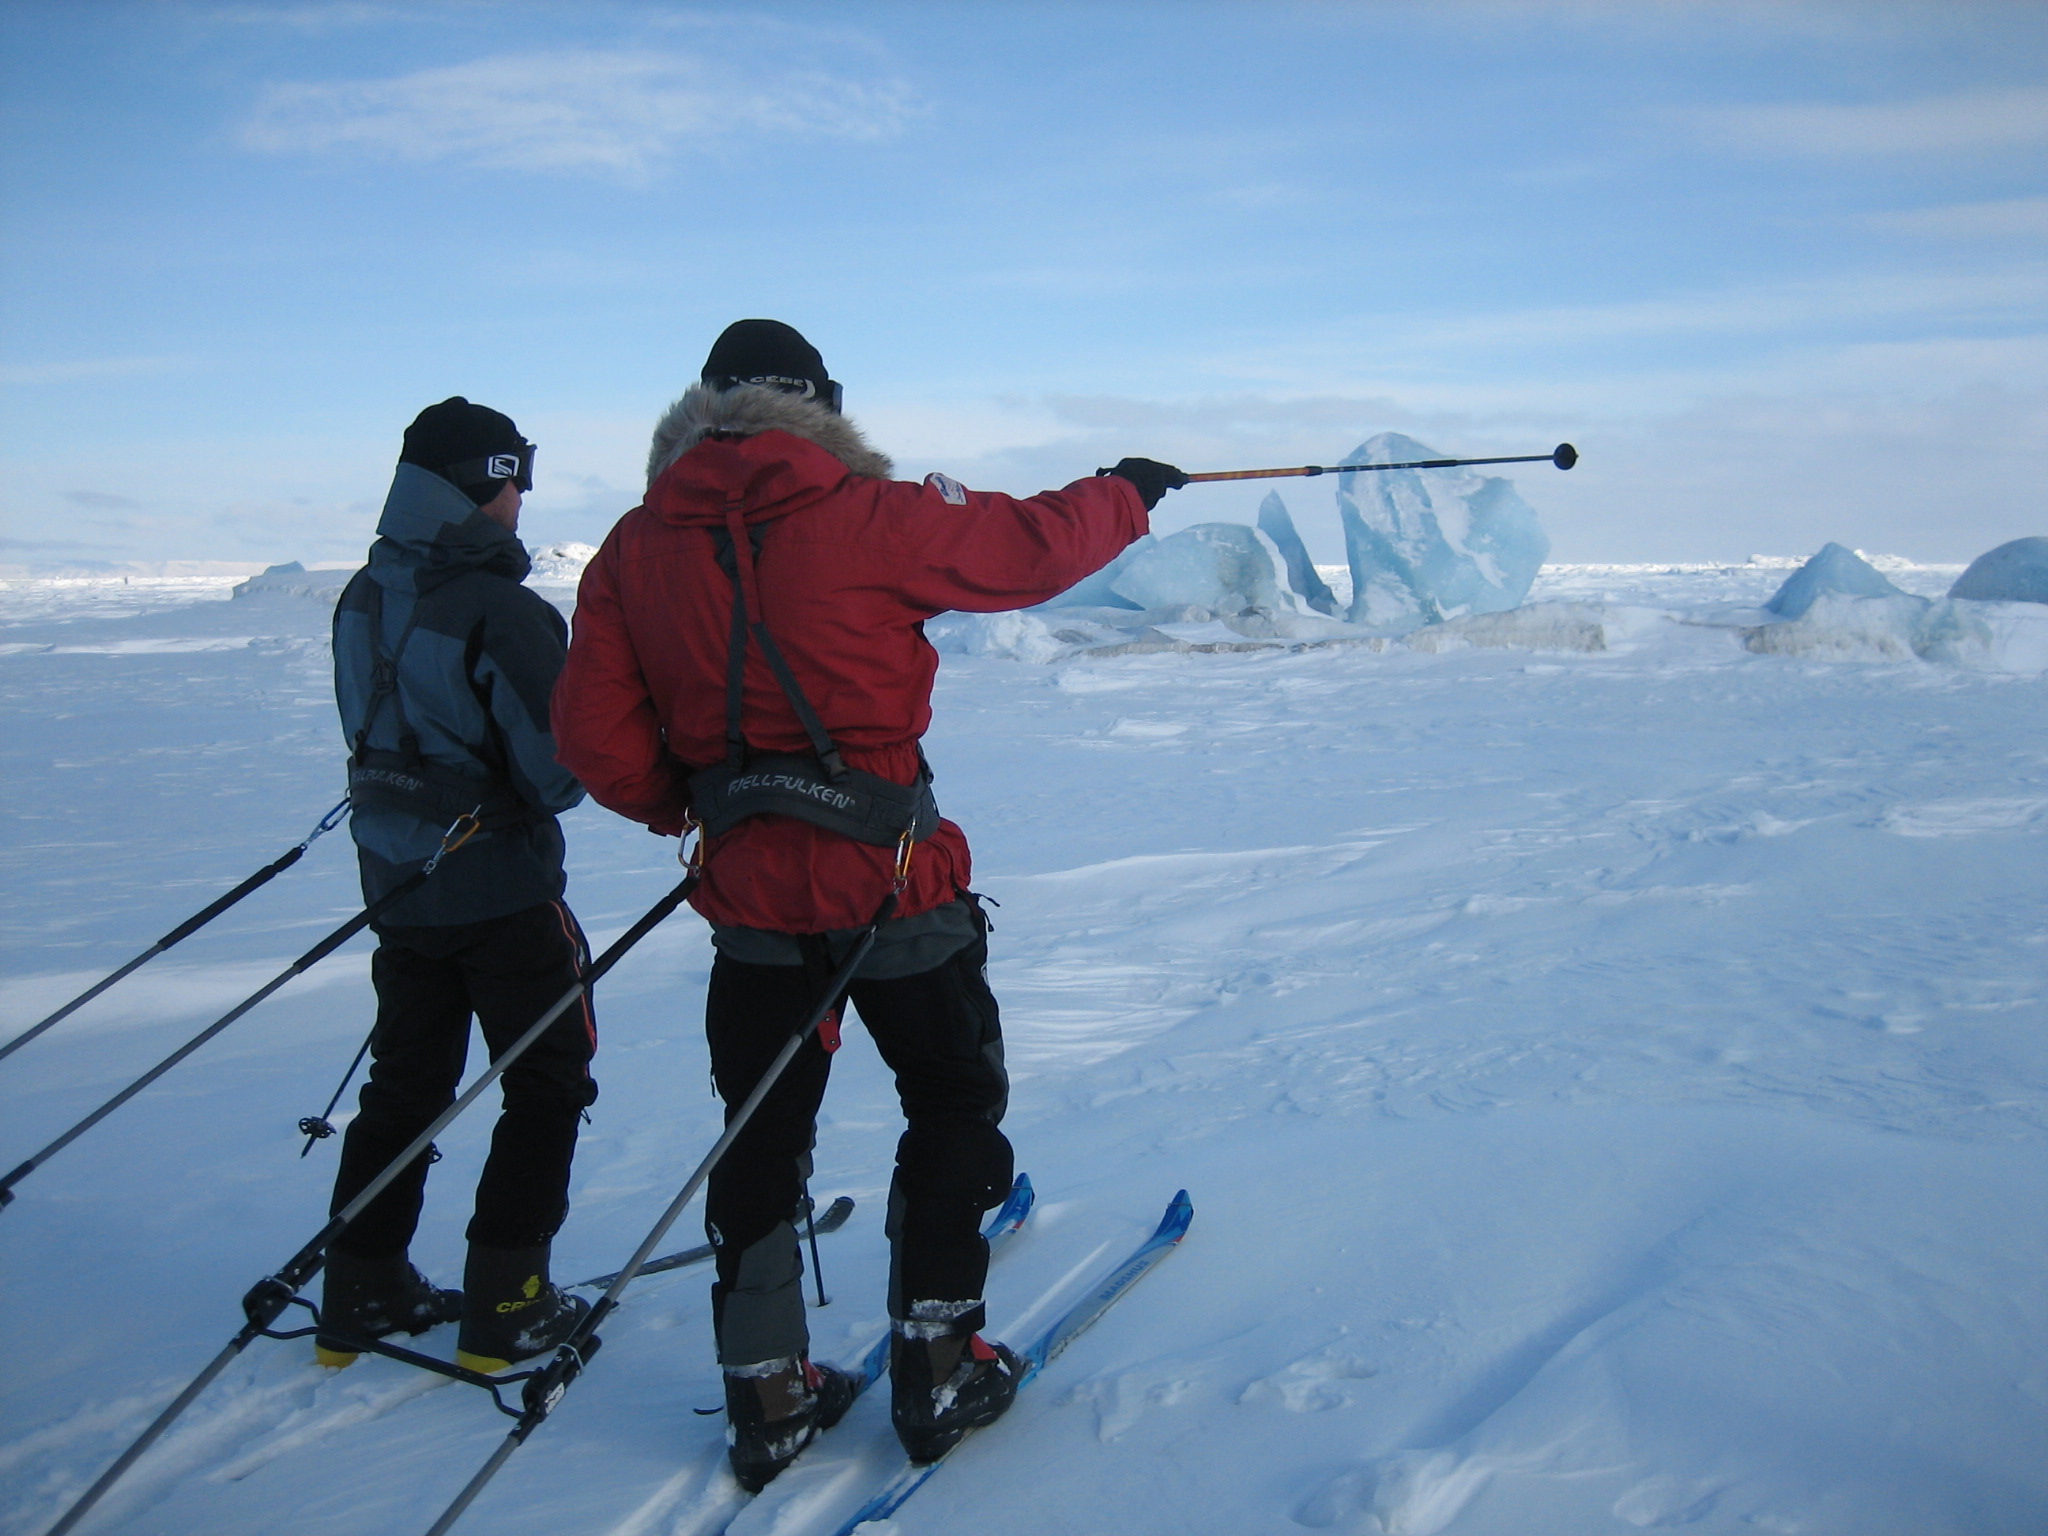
[{"x": 1077, "y": 1320}]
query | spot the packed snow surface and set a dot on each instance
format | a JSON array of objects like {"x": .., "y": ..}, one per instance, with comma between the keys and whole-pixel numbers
[{"x": 1609, "y": 1059}]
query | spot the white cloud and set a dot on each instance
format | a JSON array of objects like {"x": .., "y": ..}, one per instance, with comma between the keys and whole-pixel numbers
[
  {"x": 615, "y": 112},
  {"x": 1961, "y": 123}
]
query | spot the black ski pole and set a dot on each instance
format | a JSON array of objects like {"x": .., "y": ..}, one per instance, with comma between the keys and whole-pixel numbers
[
  {"x": 546, "y": 1389},
  {"x": 466, "y": 826},
  {"x": 319, "y": 1127},
  {"x": 811, "y": 1236},
  {"x": 186, "y": 929},
  {"x": 1564, "y": 456},
  {"x": 268, "y": 1298}
]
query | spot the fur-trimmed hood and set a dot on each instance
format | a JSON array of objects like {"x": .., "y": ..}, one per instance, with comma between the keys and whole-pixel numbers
[{"x": 748, "y": 409}]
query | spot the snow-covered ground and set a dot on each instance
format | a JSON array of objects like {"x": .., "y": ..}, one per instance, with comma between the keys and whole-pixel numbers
[{"x": 1613, "y": 1085}]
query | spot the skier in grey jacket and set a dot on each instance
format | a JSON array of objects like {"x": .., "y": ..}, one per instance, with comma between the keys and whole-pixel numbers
[{"x": 443, "y": 665}]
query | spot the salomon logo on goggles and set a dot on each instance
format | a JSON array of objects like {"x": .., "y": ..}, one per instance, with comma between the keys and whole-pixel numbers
[{"x": 516, "y": 467}]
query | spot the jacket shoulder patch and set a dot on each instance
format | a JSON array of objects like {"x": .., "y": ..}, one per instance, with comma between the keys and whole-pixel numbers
[{"x": 951, "y": 491}]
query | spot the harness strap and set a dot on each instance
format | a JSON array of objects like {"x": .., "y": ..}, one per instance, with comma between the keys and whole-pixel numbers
[
  {"x": 819, "y": 788},
  {"x": 384, "y": 677},
  {"x": 406, "y": 780},
  {"x": 747, "y": 600},
  {"x": 735, "y": 665}
]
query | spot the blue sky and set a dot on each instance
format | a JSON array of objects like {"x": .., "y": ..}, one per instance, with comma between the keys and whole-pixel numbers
[{"x": 1779, "y": 270}]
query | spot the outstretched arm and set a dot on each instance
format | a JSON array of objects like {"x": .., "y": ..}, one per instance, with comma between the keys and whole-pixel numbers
[{"x": 983, "y": 552}]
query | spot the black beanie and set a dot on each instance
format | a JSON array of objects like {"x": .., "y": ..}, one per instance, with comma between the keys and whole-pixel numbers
[
  {"x": 458, "y": 441},
  {"x": 769, "y": 352}
]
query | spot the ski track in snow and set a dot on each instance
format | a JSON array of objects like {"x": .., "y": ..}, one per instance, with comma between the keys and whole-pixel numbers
[{"x": 1614, "y": 1085}]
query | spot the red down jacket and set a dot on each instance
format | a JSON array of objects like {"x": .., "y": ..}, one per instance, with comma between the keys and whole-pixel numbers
[{"x": 849, "y": 567}]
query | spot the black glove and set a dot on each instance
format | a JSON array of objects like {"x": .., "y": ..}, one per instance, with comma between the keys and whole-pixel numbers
[{"x": 1152, "y": 478}]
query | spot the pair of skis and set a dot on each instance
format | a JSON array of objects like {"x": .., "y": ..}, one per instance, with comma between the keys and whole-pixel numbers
[{"x": 1070, "y": 1325}]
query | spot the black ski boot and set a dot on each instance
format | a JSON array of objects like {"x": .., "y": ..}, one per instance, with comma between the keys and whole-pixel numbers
[
  {"x": 774, "y": 1409},
  {"x": 941, "y": 1388},
  {"x": 371, "y": 1298},
  {"x": 511, "y": 1310}
]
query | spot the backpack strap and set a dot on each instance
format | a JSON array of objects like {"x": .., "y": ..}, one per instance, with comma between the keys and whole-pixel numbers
[
  {"x": 406, "y": 781},
  {"x": 384, "y": 676},
  {"x": 746, "y": 599},
  {"x": 817, "y": 787}
]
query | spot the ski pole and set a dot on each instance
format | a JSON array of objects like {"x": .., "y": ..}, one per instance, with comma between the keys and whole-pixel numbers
[
  {"x": 186, "y": 929},
  {"x": 464, "y": 828},
  {"x": 811, "y": 1234},
  {"x": 1564, "y": 456},
  {"x": 546, "y": 1389},
  {"x": 319, "y": 1127},
  {"x": 268, "y": 1298}
]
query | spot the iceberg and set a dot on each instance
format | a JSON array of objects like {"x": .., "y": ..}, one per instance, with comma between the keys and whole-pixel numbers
[
  {"x": 1842, "y": 626},
  {"x": 292, "y": 579},
  {"x": 1277, "y": 525},
  {"x": 1957, "y": 632},
  {"x": 2012, "y": 573},
  {"x": 1837, "y": 570},
  {"x": 1096, "y": 591},
  {"x": 1427, "y": 545},
  {"x": 1225, "y": 568}
]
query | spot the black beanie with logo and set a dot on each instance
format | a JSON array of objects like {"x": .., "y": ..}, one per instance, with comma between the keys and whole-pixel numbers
[
  {"x": 474, "y": 447},
  {"x": 771, "y": 353}
]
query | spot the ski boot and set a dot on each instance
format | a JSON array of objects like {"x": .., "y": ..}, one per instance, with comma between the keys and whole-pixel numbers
[
  {"x": 511, "y": 1310},
  {"x": 371, "y": 1298},
  {"x": 774, "y": 1409},
  {"x": 941, "y": 1388}
]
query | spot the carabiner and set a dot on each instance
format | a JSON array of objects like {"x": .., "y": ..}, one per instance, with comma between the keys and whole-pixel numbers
[
  {"x": 327, "y": 823},
  {"x": 468, "y": 824},
  {"x": 905, "y": 846}
]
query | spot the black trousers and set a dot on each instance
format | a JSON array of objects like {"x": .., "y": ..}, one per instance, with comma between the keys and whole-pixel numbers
[
  {"x": 506, "y": 972},
  {"x": 941, "y": 1034}
]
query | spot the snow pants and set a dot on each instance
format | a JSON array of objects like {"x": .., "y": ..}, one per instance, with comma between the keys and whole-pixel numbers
[
  {"x": 506, "y": 972},
  {"x": 941, "y": 1035}
]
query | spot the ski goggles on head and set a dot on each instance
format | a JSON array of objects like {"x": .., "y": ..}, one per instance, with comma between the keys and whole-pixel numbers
[
  {"x": 830, "y": 395},
  {"x": 516, "y": 467}
]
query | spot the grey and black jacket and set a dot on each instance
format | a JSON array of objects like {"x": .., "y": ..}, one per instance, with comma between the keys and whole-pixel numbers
[{"x": 477, "y": 657}]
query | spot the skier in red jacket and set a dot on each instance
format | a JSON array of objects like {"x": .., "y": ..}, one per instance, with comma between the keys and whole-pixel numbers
[{"x": 748, "y": 653}]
